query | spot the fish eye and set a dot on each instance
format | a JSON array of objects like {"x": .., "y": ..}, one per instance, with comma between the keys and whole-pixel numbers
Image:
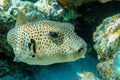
[{"x": 53, "y": 34}]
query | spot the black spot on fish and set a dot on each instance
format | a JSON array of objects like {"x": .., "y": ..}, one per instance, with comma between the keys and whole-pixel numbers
[
  {"x": 34, "y": 45},
  {"x": 33, "y": 55}
]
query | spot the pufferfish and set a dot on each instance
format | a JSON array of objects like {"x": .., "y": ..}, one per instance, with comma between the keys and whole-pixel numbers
[{"x": 45, "y": 42}]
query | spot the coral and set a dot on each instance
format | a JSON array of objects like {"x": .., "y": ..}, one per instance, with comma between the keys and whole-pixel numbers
[
  {"x": 5, "y": 20},
  {"x": 116, "y": 66},
  {"x": 31, "y": 11},
  {"x": 5, "y": 4},
  {"x": 107, "y": 38},
  {"x": 70, "y": 15},
  {"x": 28, "y": 8},
  {"x": 4, "y": 17},
  {"x": 106, "y": 69},
  {"x": 40, "y": 10},
  {"x": 87, "y": 76},
  {"x": 50, "y": 8}
]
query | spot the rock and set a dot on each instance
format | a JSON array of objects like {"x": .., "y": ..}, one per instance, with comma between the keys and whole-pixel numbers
[{"x": 107, "y": 44}]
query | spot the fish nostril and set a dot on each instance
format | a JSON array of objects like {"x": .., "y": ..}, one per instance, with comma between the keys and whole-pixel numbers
[{"x": 80, "y": 49}]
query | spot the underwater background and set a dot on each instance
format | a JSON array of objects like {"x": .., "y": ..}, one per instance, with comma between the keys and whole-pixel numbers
[{"x": 95, "y": 21}]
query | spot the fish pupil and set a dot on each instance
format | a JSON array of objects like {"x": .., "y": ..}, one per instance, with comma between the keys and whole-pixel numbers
[{"x": 53, "y": 34}]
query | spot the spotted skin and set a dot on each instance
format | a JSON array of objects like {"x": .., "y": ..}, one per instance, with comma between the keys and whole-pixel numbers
[{"x": 46, "y": 42}]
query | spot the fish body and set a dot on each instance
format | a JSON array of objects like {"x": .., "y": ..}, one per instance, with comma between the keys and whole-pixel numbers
[{"x": 46, "y": 42}]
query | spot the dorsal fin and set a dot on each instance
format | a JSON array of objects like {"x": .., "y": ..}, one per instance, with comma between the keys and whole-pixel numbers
[{"x": 21, "y": 18}]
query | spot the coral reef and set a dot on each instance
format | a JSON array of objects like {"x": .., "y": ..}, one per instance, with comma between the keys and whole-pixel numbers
[
  {"x": 63, "y": 11},
  {"x": 50, "y": 7},
  {"x": 107, "y": 35},
  {"x": 38, "y": 10},
  {"x": 28, "y": 8},
  {"x": 107, "y": 38}
]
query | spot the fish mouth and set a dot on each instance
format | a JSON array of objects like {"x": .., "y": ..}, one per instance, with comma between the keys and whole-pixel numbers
[
  {"x": 82, "y": 49},
  {"x": 80, "y": 53}
]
